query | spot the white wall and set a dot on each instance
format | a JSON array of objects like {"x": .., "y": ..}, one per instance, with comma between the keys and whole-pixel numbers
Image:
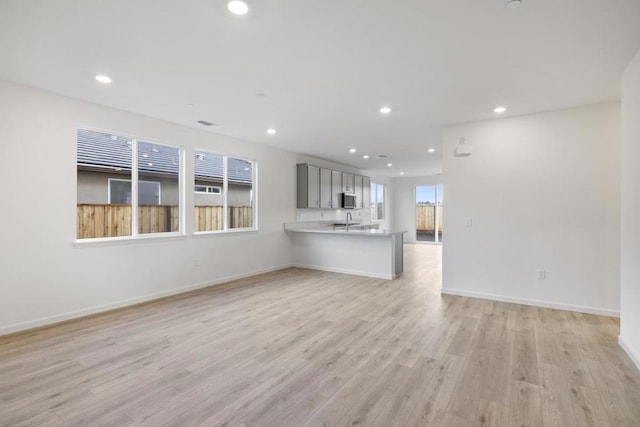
[
  {"x": 542, "y": 192},
  {"x": 45, "y": 278},
  {"x": 404, "y": 215},
  {"x": 630, "y": 227}
]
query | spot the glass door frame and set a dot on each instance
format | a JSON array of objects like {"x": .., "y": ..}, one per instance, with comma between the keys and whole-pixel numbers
[{"x": 437, "y": 219}]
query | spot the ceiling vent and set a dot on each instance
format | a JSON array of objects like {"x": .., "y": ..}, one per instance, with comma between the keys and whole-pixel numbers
[
  {"x": 382, "y": 156},
  {"x": 206, "y": 123}
]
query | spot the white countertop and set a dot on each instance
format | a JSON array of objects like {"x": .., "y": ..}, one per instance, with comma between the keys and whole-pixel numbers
[{"x": 302, "y": 228}]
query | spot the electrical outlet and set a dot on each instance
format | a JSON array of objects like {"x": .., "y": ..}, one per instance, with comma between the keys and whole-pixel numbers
[
  {"x": 196, "y": 262},
  {"x": 542, "y": 275},
  {"x": 469, "y": 223},
  {"x": 321, "y": 214}
]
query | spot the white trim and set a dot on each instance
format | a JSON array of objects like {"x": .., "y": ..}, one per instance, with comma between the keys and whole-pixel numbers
[
  {"x": 45, "y": 321},
  {"x": 346, "y": 271},
  {"x": 198, "y": 234},
  {"x": 533, "y": 302},
  {"x": 121, "y": 240},
  {"x": 627, "y": 350}
]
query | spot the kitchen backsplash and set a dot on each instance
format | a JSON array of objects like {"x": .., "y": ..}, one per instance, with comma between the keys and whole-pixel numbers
[{"x": 308, "y": 215}]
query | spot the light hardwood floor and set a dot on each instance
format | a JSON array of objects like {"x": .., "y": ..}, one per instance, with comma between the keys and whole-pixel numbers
[{"x": 307, "y": 348}]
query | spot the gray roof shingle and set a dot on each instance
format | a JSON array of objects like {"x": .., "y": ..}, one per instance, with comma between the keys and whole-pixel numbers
[{"x": 106, "y": 150}]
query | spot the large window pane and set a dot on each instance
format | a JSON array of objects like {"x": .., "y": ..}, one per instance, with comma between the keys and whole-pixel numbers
[
  {"x": 103, "y": 185},
  {"x": 158, "y": 188},
  {"x": 240, "y": 193},
  {"x": 209, "y": 199},
  {"x": 426, "y": 213},
  {"x": 377, "y": 202}
]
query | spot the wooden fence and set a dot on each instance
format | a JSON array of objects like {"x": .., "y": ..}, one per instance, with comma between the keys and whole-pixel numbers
[
  {"x": 211, "y": 218},
  {"x": 98, "y": 220},
  {"x": 426, "y": 220}
]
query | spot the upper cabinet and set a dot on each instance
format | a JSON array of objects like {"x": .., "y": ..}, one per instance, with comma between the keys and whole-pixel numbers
[
  {"x": 308, "y": 186},
  {"x": 325, "y": 189},
  {"x": 348, "y": 182},
  {"x": 336, "y": 189},
  {"x": 322, "y": 188},
  {"x": 358, "y": 190}
]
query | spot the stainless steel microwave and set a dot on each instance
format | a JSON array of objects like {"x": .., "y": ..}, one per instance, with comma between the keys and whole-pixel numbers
[{"x": 349, "y": 201}]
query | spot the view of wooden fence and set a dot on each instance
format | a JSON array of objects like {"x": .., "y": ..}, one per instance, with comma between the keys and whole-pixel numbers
[
  {"x": 111, "y": 220},
  {"x": 426, "y": 219},
  {"x": 211, "y": 218}
]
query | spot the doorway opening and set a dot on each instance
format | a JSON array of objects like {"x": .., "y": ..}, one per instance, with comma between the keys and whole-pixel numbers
[{"x": 429, "y": 200}]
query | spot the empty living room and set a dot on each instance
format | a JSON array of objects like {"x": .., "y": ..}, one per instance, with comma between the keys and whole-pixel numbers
[{"x": 320, "y": 213}]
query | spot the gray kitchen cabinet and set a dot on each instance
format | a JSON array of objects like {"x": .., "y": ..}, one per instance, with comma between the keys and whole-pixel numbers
[
  {"x": 308, "y": 186},
  {"x": 366, "y": 192},
  {"x": 336, "y": 189},
  {"x": 348, "y": 182},
  {"x": 322, "y": 188},
  {"x": 358, "y": 190},
  {"x": 325, "y": 189}
]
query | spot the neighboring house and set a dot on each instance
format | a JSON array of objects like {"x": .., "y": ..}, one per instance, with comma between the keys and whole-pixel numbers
[{"x": 104, "y": 173}]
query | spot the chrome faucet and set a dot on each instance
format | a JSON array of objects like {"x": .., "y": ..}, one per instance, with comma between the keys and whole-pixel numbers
[{"x": 349, "y": 217}]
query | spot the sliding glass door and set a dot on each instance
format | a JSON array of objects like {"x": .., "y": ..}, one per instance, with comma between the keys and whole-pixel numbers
[{"x": 429, "y": 213}]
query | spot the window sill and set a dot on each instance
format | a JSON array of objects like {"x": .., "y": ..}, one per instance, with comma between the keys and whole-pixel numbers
[
  {"x": 127, "y": 240},
  {"x": 201, "y": 234}
]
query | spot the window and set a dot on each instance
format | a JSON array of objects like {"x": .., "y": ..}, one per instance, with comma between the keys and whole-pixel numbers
[
  {"x": 126, "y": 186},
  {"x": 225, "y": 193},
  {"x": 208, "y": 189},
  {"x": 149, "y": 192},
  {"x": 377, "y": 201}
]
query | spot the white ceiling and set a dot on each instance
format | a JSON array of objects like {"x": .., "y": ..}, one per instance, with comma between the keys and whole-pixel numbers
[{"x": 326, "y": 66}]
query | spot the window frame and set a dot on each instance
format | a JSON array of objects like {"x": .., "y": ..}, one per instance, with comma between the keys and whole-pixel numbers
[
  {"x": 135, "y": 235},
  {"x": 128, "y": 180},
  {"x": 374, "y": 201},
  {"x": 225, "y": 194},
  {"x": 219, "y": 187}
]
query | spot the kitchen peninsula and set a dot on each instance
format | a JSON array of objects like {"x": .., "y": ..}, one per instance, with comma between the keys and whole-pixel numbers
[{"x": 364, "y": 252}]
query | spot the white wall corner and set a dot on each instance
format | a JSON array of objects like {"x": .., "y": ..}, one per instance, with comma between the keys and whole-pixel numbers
[{"x": 635, "y": 359}]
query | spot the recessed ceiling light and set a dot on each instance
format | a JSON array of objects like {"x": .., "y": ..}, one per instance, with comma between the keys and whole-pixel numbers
[
  {"x": 389, "y": 164},
  {"x": 512, "y": 4},
  {"x": 238, "y": 7},
  {"x": 366, "y": 156},
  {"x": 401, "y": 173},
  {"x": 500, "y": 110},
  {"x": 431, "y": 150},
  {"x": 103, "y": 79},
  {"x": 271, "y": 131},
  {"x": 385, "y": 110},
  {"x": 352, "y": 150}
]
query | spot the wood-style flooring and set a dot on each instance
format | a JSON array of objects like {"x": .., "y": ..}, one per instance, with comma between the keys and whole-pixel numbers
[{"x": 308, "y": 348}]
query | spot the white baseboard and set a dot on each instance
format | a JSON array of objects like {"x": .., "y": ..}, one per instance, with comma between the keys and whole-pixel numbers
[
  {"x": 44, "y": 321},
  {"x": 627, "y": 350},
  {"x": 533, "y": 302},
  {"x": 345, "y": 271}
]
